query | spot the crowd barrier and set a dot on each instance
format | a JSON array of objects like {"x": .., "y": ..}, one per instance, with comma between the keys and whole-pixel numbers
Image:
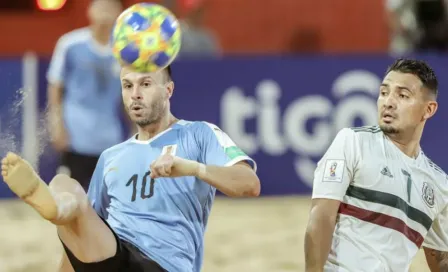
[{"x": 283, "y": 111}]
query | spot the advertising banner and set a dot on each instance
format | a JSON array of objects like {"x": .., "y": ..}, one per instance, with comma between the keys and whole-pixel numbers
[{"x": 282, "y": 111}]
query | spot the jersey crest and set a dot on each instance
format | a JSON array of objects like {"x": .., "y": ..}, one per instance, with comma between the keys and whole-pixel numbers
[
  {"x": 169, "y": 149},
  {"x": 428, "y": 194}
]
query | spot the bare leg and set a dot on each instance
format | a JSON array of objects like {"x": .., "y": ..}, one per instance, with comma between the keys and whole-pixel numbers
[
  {"x": 65, "y": 265},
  {"x": 65, "y": 204},
  {"x": 86, "y": 235}
]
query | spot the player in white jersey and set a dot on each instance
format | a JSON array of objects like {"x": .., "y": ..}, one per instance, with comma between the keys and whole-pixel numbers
[{"x": 377, "y": 198}]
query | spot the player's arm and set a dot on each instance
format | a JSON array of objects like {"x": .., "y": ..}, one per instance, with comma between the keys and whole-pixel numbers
[
  {"x": 224, "y": 165},
  {"x": 55, "y": 120},
  {"x": 436, "y": 244},
  {"x": 331, "y": 180},
  {"x": 319, "y": 233},
  {"x": 55, "y": 77},
  {"x": 238, "y": 180},
  {"x": 221, "y": 163},
  {"x": 54, "y": 94},
  {"x": 437, "y": 260}
]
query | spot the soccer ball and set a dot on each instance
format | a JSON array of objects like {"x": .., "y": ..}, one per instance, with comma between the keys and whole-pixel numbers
[{"x": 146, "y": 37}]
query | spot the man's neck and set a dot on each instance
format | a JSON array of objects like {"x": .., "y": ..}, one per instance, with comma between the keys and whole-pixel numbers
[
  {"x": 410, "y": 146},
  {"x": 148, "y": 132},
  {"x": 99, "y": 36}
]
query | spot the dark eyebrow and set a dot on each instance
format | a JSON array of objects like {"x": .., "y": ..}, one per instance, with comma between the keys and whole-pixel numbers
[
  {"x": 145, "y": 77},
  {"x": 124, "y": 80},
  {"x": 399, "y": 87},
  {"x": 405, "y": 88}
]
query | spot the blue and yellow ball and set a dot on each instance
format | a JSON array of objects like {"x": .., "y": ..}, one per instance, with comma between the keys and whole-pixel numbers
[{"x": 146, "y": 37}]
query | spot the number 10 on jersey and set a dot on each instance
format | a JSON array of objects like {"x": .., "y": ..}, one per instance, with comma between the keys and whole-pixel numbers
[{"x": 134, "y": 181}]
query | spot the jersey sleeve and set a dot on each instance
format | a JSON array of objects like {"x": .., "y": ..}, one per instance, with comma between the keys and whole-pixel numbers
[
  {"x": 437, "y": 237},
  {"x": 96, "y": 193},
  {"x": 58, "y": 65},
  {"x": 335, "y": 170},
  {"x": 217, "y": 148}
]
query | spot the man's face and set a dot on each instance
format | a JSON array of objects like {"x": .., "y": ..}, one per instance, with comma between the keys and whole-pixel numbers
[
  {"x": 402, "y": 102},
  {"x": 145, "y": 95},
  {"x": 102, "y": 13}
]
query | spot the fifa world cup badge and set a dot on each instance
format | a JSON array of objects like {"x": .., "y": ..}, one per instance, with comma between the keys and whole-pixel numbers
[{"x": 334, "y": 171}]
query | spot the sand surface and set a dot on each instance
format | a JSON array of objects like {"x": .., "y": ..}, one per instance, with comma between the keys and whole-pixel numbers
[{"x": 256, "y": 235}]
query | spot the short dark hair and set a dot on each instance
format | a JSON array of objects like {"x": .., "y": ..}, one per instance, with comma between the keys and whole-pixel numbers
[
  {"x": 168, "y": 72},
  {"x": 418, "y": 68}
]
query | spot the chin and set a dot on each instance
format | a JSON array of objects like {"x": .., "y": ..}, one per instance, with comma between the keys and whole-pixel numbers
[
  {"x": 142, "y": 123},
  {"x": 388, "y": 128}
]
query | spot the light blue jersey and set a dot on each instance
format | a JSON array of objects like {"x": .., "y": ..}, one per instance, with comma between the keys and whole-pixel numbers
[
  {"x": 164, "y": 217},
  {"x": 92, "y": 92}
]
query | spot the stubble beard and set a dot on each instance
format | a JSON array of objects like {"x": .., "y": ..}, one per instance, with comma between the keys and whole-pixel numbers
[
  {"x": 154, "y": 115},
  {"x": 389, "y": 130}
]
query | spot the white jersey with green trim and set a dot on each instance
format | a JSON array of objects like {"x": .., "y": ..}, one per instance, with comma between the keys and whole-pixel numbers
[{"x": 391, "y": 204}]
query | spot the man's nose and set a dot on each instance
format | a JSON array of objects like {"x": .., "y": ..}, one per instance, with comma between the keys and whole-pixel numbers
[
  {"x": 390, "y": 101},
  {"x": 136, "y": 94}
]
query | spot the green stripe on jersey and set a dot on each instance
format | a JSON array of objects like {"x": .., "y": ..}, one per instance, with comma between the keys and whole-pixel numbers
[
  {"x": 234, "y": 152},
  {"x": 391, "y": 201}
]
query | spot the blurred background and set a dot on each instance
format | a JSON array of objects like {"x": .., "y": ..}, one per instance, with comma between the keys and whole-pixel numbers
[{"x": 281, "y": 77}]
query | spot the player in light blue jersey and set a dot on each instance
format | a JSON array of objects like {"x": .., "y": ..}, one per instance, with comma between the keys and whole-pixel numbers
[
  {"x": 150, "y": 197},
  {"x": 84, "y": 100}
]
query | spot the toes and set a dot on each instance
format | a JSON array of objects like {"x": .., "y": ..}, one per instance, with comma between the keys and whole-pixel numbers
[
  {"x": 5, "y": 161},
  {"x": 8, "y": 161},
  {"x": 5, "y": 167},
  {"x": 12, "y": 158}
]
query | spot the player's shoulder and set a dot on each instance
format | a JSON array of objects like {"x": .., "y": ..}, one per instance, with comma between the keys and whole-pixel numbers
[
  {"x": 359, "y": 136},
  {"x": 203, "y": 131},
  {"x": 435, "y": 169},
  {"x": 366, "y": 130},
  {"x": 197, "y": 127},
  {"x": 113, "y": 150},
  {"x": 74, "y": 37},
  {"x": 366, "y": 133}
]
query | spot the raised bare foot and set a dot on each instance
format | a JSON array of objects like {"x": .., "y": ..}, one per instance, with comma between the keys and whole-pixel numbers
[{"x": 21, "y": 178}]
